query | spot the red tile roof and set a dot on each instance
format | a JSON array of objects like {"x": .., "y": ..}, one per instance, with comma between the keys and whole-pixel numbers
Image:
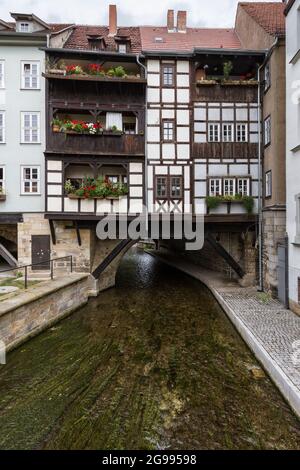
[
  {"x": 79, "y": 38},
  {"x": 185, "y": 42},
  {"x": 269, "y": 15}
]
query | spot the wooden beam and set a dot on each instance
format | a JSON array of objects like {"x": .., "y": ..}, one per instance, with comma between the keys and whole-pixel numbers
[
  {"x": 77, "y": 233},
  {"x": 225, "y": 255},
  {"x": 112, "y": 255},
  {"x": 52, "y": 231}
]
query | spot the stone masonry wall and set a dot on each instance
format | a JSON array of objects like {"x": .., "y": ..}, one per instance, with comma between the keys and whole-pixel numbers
[
  {"x": 28, "y": 313},
  {"x": 274, "y": 229}
]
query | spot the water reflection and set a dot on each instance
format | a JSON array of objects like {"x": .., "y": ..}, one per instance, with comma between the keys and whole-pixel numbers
[{"x": 153, "y": 363}]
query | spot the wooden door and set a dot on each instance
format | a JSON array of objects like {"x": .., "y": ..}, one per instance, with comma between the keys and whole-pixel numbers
[{"x": 40, "y": 252}]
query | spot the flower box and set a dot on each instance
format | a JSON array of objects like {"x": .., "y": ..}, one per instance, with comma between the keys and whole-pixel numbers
[
  {"x": 56, "y": 72},
  {"x": 110, "y": 198},
  {"x": 239, "y": 83},
  {"x": 206, "y": 82},
  {"x": 113, "y": 133}
]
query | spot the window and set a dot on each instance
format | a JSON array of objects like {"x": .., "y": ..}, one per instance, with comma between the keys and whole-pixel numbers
[
  {"x": 215, "y": 187},
  {"x": 129, "y": 128},
  {"x": 30, "y": 180},
  {"x": 2, "y": 127},
  {"x": 168, "y": 75},
  {"x": 229, "y": 186},
  {"x": 168, "y": 131},
  {"x": 176, "y": 189},
  {"x": 122, "y": 48},
  {"x": 24, "y": 27},
  {"x": 30, "y": 133},
  {"x": 114, "y": 179},
  {"x": 228, "y": 133},
  {"x": 169, "y": 187},
  {"x": 30, "y": 75},
  {"x": 243, "y": 186},
  {"x": 161, "y": 187},
  {"x": 241, "y": 133},
  {"x": 268, "y": 188},
  {"x": 267, "y": 76},
  {"x": 2, "y": 76},
  {"x": 214, "y": 133},
  {"x": 267, "y": 133},
  {"x": 2, "y": 178}
]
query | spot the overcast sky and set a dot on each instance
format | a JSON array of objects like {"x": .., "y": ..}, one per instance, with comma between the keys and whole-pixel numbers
[{"x": 209, "y": 13}]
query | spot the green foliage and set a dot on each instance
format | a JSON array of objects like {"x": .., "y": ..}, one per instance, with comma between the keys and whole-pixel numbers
[
  {"x": 213, "y": 202},
  {"x": 227, "y": 69}
]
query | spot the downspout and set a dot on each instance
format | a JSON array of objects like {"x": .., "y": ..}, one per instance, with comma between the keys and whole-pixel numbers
[
  {"x": 260, "y": 159},
  {"x": 146, "y": 153}
]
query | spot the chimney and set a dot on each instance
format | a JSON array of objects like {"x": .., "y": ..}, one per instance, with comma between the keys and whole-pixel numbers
[
  {"x": 170, "y": 23},
  {"x": 113, "y": 28},
  {"x": 181, "y": 22}
]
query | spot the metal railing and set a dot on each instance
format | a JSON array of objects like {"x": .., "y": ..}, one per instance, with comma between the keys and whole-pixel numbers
[{"x": 42, "y": 263}]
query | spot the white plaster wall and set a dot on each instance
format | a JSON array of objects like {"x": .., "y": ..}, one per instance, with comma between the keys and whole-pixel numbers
[
  {"x": 293, "y": 140},
  {"x": 13, "y": 101}
]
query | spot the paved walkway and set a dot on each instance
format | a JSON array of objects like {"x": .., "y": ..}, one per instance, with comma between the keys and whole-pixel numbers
[{"x": 267, "y": 327}]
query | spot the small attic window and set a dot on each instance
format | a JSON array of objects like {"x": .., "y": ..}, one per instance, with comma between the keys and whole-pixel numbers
[
  {"x": 158, "y": 39},
  {"x": 122, "y": 48},
  {"x": 24, "y": 27},
  {"x": 96, "y": 43}
]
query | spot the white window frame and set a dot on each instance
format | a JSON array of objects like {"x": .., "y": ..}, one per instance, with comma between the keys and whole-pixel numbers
[
  {"x": 268, "y": 183},
  {"x": 122, "y": 48},
  {"x": 3, "y": 179},
  {"x": 31, "y": 76},
  {"x": 2, "y": 128},
  {"x": 228, "y": 132},
  {"x": 21, "y": 28},
  {"x": 213, "y": 183},
  {"x": 2, "y": 74},
  {"x": 30, "y": 128},
  {"x": 241, "y": 132},
  {"x": 241, "y": 182},
  {"x": 267, "y": 130},
  {"x": 168, "y": 131},
  {"x": 30, "y": 180},
  {"x": 213, "y": 132},
  {"x": 267, "y": 76},
  {"x": 231, "y": 182}
]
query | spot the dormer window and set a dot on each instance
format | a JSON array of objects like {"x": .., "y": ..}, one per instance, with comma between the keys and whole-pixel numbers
[
  {"x": 96, "y": 43},
  {"x": 122, "y": 48},
  {"x": 24, "y": 27}
]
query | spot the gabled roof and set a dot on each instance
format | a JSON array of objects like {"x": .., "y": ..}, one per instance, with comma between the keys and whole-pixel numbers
[
  {"x": 5, "y": 24},
  {"x": 289, "y": 6},
  {"x": 269, "y": 15},
  {"x": 29, "y": 17},
  {"x": 79, "y": 37},
  {"x": 159, "y": 39}
]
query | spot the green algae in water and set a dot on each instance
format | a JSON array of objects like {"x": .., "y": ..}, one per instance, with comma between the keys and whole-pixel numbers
[{"x": 153, "y": 363}]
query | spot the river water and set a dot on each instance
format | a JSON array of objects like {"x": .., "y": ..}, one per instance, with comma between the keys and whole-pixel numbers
[{"x": 151, "y": 364}]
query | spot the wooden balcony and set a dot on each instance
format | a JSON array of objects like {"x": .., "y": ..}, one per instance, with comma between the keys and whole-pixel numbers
[
  {"x": 246, "y": 92},
  {"x": 106, "y": 145},
  {"x": 225, "y": 150}
]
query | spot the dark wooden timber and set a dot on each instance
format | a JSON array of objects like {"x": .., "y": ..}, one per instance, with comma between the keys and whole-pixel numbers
[
  {"x": 111, "y": 145},
  {"x": 77, "y": 232},
  {"x": 113, "y": 254},
  {"x": 226, "y": 150},
  {"x": 225, "y": 255},
  {"x": 52, "y": 231}
]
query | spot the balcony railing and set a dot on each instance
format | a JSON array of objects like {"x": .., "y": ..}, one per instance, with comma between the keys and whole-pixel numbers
[{"x": 105, "y": 144}]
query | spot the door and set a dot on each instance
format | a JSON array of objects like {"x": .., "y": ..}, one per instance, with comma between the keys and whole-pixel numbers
[
  {"x": 40, "y": 252},
  {"x": 282, "y": 273}
]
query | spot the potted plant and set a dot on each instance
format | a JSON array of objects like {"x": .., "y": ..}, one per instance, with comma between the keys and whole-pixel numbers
[
  {"x": 2, "y": 194},
  {"x": 56, "y": 125},
  {"x": 227, "y": 69}
]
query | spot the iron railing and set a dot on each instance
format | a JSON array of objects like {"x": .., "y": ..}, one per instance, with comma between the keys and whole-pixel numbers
[{"x": 42, "y": 263}]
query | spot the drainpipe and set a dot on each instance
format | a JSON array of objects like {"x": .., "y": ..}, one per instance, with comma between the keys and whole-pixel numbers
[
  {"x": 260, "y": 159},
  {"x": 146, "y": 153}
]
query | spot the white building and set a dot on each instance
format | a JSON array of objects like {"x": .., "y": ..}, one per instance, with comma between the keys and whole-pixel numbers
[
  {"x": 22, "y": 126},
  {"x": 293, "y": 148}
]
